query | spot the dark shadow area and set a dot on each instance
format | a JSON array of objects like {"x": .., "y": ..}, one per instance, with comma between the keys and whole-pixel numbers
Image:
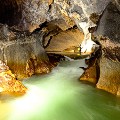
[{"x": 10, "y": 12}]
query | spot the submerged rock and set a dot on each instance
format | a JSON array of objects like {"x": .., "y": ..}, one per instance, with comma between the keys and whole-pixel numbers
[{"x": 8, "y": 82}]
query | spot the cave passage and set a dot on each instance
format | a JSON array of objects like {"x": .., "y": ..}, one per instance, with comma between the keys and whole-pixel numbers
[
  {"x": 59, "y": 95},
  {"x": 10, "y": 12}
]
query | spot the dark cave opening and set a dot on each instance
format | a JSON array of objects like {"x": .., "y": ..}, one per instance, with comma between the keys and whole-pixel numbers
[{"x": 10, "y": 12}]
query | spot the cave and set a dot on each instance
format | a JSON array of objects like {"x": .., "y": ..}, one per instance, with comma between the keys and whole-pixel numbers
[{"x": 59, "y": 59}]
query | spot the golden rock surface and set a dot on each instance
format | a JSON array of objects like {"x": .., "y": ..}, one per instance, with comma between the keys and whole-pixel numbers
[{"x": 8, "y": 82}]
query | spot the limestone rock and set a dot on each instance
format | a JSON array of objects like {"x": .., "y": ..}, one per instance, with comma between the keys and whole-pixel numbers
[
  {"x": 108, "y": 34},
  {"x": 29, "y": 14},
  {"x": 110, "y": 61},
  {"x": 23, "y": 53},
  {"x": 109, "y": 24},
  {"x": 66, "y": 39},
  {"x": 33, "y": 66},
  {"x": 8, "y": 82},
  {"x": 92, "y": 72},
  {"x": 109, "y": 75}
]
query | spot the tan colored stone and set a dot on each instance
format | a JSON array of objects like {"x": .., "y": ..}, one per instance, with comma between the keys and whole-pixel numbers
[
  {"x": 37, "y": 67},
  {"x": 118, "y": 91},
  {"x": 66, "y": 39},
  {"x": 109, "y": 76},
  {"x": 8, "y": 82},
  {"x": 65, "y": 22},
  {"x": 18, "y": 49}
]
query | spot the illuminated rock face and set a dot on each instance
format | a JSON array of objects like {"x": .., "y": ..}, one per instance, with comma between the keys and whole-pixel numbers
[
  {"x": 8, "y": 82},
  {"x": 108, "y": 34},
  {"x": 66, "y": 39},
  {"x": 23, "y": 53},
  {"x": 110, "y": 61},
  {"x": 109, "y": 76}
]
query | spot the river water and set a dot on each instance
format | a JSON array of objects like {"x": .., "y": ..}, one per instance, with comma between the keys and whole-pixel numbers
[{"x": 60, "y": 95}]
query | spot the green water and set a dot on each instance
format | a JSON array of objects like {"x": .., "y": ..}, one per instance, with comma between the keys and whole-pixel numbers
[{"x": 61, "y": 96}]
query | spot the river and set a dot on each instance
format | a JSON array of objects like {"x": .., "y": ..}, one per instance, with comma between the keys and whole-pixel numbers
[{"x": 60, "y": 95}]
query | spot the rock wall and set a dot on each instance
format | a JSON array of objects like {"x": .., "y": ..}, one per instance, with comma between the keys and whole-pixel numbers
[
  {"x": 30, "y": 14},
  {"x": 8, "y": 82},
  {"x": 65, "y": 39},
  {"x": 109, "y": 33},
  {"x": 23, "y": 53}
]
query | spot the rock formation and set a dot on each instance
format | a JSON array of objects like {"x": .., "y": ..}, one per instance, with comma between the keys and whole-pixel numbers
[
  {"x": 92, "y": 72},
  {"x": 8, "y": 82},
  {"x": 29, "y": 27},
  {"x": 23, "y": 53},
  {"x": 109, "y": 33},
  {"x": 58, "y": 42}
]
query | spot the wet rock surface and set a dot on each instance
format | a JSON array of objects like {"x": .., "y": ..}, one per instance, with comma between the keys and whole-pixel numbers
[
  {"x": 109, "y": 76},
  {"x": 108, "y": 35},
  {"x": 8, "y": 82},
  {"x": 87, "y": 76},
  {"x": 108, "y": 29},
  {"x": 23, "y": 53},
  {"x": 110, "y": 66},
  {"x": 92, "y": 72}
]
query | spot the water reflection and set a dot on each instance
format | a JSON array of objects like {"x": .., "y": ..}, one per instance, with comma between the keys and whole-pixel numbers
[{"x": 60, "y": 96}]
